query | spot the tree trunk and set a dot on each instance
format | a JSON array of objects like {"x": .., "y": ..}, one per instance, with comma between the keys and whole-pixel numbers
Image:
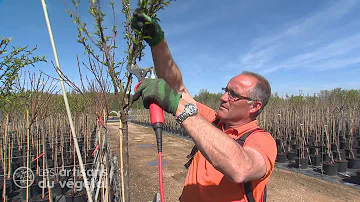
[{"x": 126, "y": 161}]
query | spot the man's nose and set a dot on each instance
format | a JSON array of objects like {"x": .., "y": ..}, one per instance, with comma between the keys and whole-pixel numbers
[{"x": 225, "y": 97}]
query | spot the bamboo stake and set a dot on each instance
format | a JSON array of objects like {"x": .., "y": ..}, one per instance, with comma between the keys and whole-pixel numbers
[
  {"x": 62, "y": 144},
  {"x": 74, "y": 171},
  {"x": 55, "y": 155},
  {"x": 10, "y": 157},
  {"x": 81, "y": 164},
  {"x": 121, "y": 162},
  {"x": 9, "y": 147},
  {"x": 4, "y": 155},
  {"x": 106, "y": 191},
  {"x": 28, "y": 154},
  {"x": 37, "y": 146},
  {"x": 100, "y": 154},
  {"x": 43, "y": 163}
]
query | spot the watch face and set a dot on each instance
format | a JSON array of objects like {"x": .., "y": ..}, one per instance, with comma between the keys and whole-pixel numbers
[{"x": 192, "y": 109}]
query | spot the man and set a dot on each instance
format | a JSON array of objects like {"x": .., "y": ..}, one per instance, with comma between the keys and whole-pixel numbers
[{"x": 221, "y": 168}]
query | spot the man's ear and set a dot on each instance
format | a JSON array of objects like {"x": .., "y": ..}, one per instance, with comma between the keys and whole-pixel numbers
[{"x": 256, "y": 106}]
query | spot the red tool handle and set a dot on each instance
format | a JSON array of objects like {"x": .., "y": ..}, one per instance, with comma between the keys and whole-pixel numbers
[
  {"x": 157, "y": 121},
  {"x": 156, "y": 113}
]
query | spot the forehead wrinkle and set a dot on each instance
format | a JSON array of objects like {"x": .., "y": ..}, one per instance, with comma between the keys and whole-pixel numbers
[
  {"x": 242, "y": 84},
  {"x": 239, "y": 89}
]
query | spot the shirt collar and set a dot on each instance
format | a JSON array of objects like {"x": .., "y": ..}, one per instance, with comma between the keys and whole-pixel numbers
[{"x": 239, "y": 130}]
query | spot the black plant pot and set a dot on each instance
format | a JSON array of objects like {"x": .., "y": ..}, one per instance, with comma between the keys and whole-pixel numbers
[
  {"x": 290, "y": 155},
  {"x": 333, "y": 147},
  {"x": 63, "y": 185},
  {"x": 342, "y": 166},
  {"x": 315, "y": 160},
  {"x": 294, "y": 146},
  {"x": 298, "y": 152},
  {"x": 281, "y": 158},
  {"x": 323, "y": 149},
  {"x": 357, "y": 150},
  {"x": 15, "y": 165},
  {"x": 336, "y": 155},
  {"x": 39, "y": 198},
  {"x": 301, "y": 162},
  {"x": 16, "y": 153},
  {"x": 56, "y": 188},
  {"x": 18, "y": 160},
  {"x": 349, "y": 152},
  {"x": 354, "y": 163},
  {"x": 50, "y": 164},
  {"x": 8, "y": 189},
  {"x": 312, "y": 150},
  {"x": 344, "y": 145},
  {"x": 319, "y": 144},
  {"x": 325, "y": 157},
  {"x": 23, "y": 194},
  {"x": 89, "y": 159},
  {"x": 330, "y": 169},
  {"x": 35, "y": 189},
  {"x": 90, "y": 152},
  {"x": 312, "y": 140},
  {"x": 69, "y": 162},
  {"x": 77, "y": 197},
  {"x": 278, "y": 141}
]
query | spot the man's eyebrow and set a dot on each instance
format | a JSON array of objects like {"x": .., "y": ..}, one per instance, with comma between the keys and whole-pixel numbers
[{"x": 232, "y": 91}]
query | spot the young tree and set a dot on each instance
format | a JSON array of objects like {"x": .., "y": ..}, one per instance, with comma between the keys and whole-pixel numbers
[
  {"x": 12, "y": 61},
  {"x": 101, "y": 46}
]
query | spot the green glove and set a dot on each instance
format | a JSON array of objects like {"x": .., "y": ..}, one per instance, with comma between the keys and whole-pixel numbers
[
  {"x": 159, "y": 92},
  {"x": 151, "y": 27}
]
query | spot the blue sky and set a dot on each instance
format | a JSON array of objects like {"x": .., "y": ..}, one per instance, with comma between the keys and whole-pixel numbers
[{"x": 297, "y": 45}]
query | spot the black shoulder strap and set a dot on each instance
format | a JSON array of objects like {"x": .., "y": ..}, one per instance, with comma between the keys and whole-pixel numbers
[
  {"x": 195, "y": 149},
  {"x": 247, "y": 186},
  {"x": 249, "y": 194},
  {"x": 191, "y": 157},
  {"x": 242, "y": 139}
]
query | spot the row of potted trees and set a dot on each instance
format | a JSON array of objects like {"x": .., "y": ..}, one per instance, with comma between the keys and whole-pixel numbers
[{"x": 34, "y": 159}]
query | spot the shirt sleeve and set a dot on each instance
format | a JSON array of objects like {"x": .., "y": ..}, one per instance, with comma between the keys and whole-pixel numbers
[
  {"x": 205, "y": 111},
  {"x": 265, "y": 144}
]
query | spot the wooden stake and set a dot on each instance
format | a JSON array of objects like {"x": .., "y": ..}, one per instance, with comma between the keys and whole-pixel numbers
[
  {"x": 28, "y": 153},
  {"x": 43, "y": 160},
  {"x": 121, "y": 162}
]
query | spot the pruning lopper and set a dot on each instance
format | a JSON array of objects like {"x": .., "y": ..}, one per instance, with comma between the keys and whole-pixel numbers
[{"x": 156, "y": 115}]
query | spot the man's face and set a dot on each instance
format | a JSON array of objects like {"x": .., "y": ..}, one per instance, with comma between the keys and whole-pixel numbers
[{"x": 235, "y": 108}]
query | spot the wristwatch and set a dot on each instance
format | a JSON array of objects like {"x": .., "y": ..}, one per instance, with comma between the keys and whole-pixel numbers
[{"x": 190, "y": 110}]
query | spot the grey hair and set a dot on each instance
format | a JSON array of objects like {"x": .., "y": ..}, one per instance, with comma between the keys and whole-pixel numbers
[{"x": 261, "y": 91}]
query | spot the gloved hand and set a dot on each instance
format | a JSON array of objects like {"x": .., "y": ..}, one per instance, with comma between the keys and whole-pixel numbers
[
  {"x": 159, "y": 92},
  {"x": 151, "y": 27}
]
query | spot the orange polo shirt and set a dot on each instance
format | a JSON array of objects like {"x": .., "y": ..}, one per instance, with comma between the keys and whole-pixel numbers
[{"x": 206, "y": 184}]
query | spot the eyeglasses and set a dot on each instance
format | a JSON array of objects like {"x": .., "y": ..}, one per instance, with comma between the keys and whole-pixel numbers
[{"x": 235, "y": 96}]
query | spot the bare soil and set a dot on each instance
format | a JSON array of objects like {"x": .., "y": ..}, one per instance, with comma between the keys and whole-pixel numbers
[{"x": 283, "y": 185}]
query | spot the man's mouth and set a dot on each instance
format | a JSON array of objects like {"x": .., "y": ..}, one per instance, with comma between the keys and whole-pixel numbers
[{"x": 223, "y": 107}]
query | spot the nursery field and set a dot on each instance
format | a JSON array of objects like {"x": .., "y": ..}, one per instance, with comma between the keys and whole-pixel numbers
[
  {"x": 57, "y": 144},
  {"x": 284, "y": 185},
  {"x": 42, "y": 162}
]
